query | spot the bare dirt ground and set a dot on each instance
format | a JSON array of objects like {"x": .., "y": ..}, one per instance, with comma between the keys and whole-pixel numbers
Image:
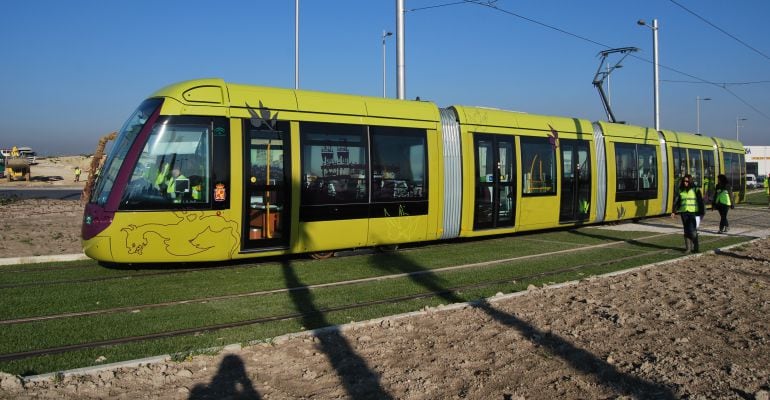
[
  {"x": 43, "y": 227},
  {"x": 54, "y": 172},
  {"x": 696, "y": 328}
]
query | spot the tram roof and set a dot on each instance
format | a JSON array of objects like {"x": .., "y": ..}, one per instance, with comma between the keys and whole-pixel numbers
[
  {"x": 628, "y": 131},
  {"x": 491, "y": 117},
  {"x": 730, "y": 145},
  {"x": 686, "y": 138},
  {"x": 217, "y": 92}
]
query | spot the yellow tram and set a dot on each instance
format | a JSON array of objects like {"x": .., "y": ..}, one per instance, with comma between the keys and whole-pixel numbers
[{"x": 206, "y": 170}]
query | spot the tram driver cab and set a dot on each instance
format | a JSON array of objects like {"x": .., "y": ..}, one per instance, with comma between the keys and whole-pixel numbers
[{"x": 171, "y": 170}]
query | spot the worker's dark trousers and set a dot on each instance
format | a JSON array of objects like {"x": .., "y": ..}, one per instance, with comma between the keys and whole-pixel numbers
[
  {"x": 690, "y": 230},
  {"x": 723, "y": 224}
]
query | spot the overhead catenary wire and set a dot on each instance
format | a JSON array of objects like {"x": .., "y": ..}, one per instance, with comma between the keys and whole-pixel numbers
[
  {"x": 704, "y": 81},
  {"x": 492, "y": 5},
  {"x": 437, "y": 6},
  {"x": 721, "y": 30},
  {"x": 717, "y": 83}
]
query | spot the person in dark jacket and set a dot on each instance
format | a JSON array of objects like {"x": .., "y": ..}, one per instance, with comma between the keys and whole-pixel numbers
[
  {"x": 723, "y": 202},
  {"x": 688, "y": 203}
]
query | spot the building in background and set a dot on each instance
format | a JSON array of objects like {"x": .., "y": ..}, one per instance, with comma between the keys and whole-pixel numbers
[{"x": 758, "y": 161}]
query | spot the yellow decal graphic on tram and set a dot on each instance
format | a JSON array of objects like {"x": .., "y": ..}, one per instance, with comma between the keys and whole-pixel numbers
[
  {"x": 193, "y": 233},
  {"x": 263, "y": 118},
  {"x": 400, "y": 229},
  {"x": 553, "y": 137}
]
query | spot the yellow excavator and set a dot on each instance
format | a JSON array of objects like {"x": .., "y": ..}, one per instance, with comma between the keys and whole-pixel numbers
[
  {"x": 96, "y": 165},
  {"x": 17, "y": 167}
]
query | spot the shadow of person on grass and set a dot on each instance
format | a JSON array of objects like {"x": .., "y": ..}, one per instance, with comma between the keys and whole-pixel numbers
[
  {"x": 230, "y": 382},
  {"x": 735, "y": 255},
  {"x": 581, "y": 360}
]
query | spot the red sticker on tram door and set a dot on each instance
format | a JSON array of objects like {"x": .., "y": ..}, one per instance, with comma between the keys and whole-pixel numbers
[{"x": 219, "y": 192}]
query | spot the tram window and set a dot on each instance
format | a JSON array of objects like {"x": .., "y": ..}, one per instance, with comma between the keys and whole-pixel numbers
[
  {"x": 696, "y": 167},
  {"x": 734, "y": 169},
  {"x": 648, "y": 166},
  {"x": 729, "y": 171},
  {"x": 334, "y": 164},
  {"x": 680, "y": 163},
  {"x": 538, "y": 166},
  {"x": 398, "y": 164},
  {"x": 173, "y": 168},
  {"x": 636, "y": 168},
  {"x": 128, "y": 135}
]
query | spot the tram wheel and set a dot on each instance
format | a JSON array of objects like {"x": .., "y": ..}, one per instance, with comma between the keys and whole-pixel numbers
[
  {"x": 388, "y": 248},
  {"x": 322, "y": 255}
]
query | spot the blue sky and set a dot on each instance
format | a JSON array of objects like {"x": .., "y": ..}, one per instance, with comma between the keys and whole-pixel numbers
[{"x": 74, "y": 70}]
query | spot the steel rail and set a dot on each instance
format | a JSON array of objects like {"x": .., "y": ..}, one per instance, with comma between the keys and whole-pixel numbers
[
  {"x": 316, "y": 286},
  {"x": 255, "y": 321}
]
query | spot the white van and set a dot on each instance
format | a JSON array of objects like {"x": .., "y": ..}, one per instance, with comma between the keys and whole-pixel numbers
[{"x": 751, "y": 181}]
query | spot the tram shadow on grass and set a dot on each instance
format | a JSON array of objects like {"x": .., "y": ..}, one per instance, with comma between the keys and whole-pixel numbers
[
  {"x": 580, "y": 359},
  {"x": 359, "y": 380}
]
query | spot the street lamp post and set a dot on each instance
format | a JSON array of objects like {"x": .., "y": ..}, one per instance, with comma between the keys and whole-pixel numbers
[
  {"x": 384, "y": 35},
  {"x": 296, "y": 44},
  {"x": 400, "y": 63},
  {"x": 697, "y": 108},
  {"x": 656, "y": 80},
  {"x": 737, "y": 126}
]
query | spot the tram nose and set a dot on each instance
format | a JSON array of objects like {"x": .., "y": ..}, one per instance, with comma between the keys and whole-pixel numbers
[{"x": 95, "y": 221}]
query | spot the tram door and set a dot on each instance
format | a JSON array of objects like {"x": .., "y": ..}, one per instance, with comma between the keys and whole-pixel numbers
[
  {"x": 267, "y": 176},
  {"x": 575, "y": 180},
  {"x": 495, "y": 181}
]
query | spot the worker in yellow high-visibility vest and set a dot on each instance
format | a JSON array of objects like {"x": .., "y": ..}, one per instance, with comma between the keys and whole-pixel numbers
[
  {"x": 723, "y": 202},
  {"x": 688, "y": 203}
]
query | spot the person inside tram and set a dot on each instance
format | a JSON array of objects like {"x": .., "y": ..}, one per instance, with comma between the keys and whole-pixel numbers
[
  {"x": 177, "y": 186},
  {"x": 162, "y": 176},
  {"x": 646, "y": 175}
]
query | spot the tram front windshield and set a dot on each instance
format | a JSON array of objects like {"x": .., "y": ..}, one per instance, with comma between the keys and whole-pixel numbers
[{"x": 109, "y": 171}]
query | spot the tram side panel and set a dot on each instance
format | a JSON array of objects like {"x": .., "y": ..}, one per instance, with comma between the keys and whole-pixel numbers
[
  {"x": 489, "y": 181},
  {"x": 634, "y": 170},
  {"x": 366, "y": 177},
  {"x": 363, "y": 172},
  {"x": 558, "y": 172},
  {"x": 406, "y": 199},
  {"x": 406, "y": 165},
  {"x": 697, "y": 156},
  {"x": 733, "y": 165},
  {"x": 525, "y": 172}
]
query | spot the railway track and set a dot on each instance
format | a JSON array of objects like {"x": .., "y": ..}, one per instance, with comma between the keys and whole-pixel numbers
[
  {"x": 448, "y": 293},
  {"x": 318, "y": 286},
  {"x": 239, "y": 263}
]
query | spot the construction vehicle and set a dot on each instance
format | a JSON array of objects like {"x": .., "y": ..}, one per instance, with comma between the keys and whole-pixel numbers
[
  {"x": 96, "y": 165},
  {"x": 16, "y": 167}
]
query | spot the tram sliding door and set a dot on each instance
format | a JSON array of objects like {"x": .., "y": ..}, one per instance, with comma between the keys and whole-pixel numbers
[
  {"x": 267, "y": 176},
  {"x": 495, "y": 181},
  {"x": 575, "y": 180}
]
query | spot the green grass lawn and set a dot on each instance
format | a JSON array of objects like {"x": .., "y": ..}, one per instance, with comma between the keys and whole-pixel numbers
[
  {"x": 756, "y": 198},
  {"x": 521, "y": 267}
]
